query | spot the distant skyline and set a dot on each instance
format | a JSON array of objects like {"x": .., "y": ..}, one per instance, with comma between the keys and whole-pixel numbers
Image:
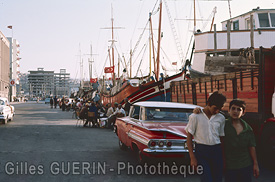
[{"x": 51, "y": 33}]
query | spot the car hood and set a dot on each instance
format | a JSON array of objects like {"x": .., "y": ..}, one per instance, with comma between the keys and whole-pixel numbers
[{"x": 172, "y": 127}]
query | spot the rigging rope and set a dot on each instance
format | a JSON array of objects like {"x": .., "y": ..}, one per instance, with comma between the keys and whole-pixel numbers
[
  {"x": 174, "y": 32},
  {"x": 137, "y": 21},
  {"x": 145, "y": 45},
  {"x": 134, "y": 50},
  {"x": 142, "y": 58},
  {"x": 104, "y": 64}
]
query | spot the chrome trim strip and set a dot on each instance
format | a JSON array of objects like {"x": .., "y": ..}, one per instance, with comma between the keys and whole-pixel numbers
[
  {"x": 139, "y": 125},
  {"x": 138, "y": 138}
]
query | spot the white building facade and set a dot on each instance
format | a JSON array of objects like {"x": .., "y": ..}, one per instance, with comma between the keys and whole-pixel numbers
[
  {"x": 4, "y": 66},
  {"x": 14, "y": 66}
]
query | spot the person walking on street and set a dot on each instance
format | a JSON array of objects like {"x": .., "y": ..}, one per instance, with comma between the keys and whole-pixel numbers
[
  {"x": 207, "y": 127},
  {"x": 55, "y": 101},
  {"x": 51, "y": 102},
  {"x": 63, "y": 104}
]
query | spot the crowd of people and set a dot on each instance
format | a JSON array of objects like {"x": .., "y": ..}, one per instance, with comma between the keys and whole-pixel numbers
[{"x": 91, "y": 112}]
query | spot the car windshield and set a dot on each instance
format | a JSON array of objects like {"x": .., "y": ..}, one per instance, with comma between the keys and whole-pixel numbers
[
  {"x": 2, "y": 102},
  {"x": 167, "y": 114}
]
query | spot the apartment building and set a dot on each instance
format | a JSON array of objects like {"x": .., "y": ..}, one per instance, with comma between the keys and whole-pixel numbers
[
  {"x": 4, "y": 66},
  {"x": 47, "y": 83}
]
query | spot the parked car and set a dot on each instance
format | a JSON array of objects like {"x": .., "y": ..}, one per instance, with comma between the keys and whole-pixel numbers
[
  {"x": 33, "y": 99},
  {"x": 155, "y": 129},
  {"x": 47, "y": 100},
  {"x": 7, "y": 111}
]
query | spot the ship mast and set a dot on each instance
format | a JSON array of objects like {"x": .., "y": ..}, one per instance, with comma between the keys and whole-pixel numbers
[
  {"x": 113, "y": 53},
  {"x": 152, "y": 39},
  {"x": 90, "y": 60},
  {"x": 159, "y": 39}
]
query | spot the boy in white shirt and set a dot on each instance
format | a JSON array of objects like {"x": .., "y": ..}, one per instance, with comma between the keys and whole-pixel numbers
[{"x": 207, "y": 128}]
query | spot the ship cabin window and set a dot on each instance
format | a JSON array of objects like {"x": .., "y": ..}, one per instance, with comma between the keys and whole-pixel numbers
[
  {"x": 264, "y": 20},
  {"x": 247, "y": 23},
  {"x": 236, "y": 25},
  {"x": 272, "y": 17}
]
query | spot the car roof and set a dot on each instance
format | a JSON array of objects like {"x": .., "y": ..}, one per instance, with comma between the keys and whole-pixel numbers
[
  {"x": 159, "y": 104},
  {"x": 3, "y": 98}
]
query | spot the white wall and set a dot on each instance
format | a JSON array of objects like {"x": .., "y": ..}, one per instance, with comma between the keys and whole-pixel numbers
[{"x": 238, "y": 40}]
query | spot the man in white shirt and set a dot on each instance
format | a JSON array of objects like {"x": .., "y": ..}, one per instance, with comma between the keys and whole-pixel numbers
[
  {"x": 207, "y": 127},
  {"x": 110, "y": 110},
  {"x": 120, "y": 112},
  {"x": 112, "y": 117},
  {"x": 79, "y": 104}
]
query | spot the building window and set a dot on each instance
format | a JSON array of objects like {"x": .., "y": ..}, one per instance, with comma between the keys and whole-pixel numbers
[
  {"x": 247, "y": 23},
  {"x": 236, "y": 25},
  {"x": 272, "y": 17},
  {"x": 264, "y": 20}
]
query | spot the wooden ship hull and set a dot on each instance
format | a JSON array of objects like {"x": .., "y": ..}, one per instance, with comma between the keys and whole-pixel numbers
[{"x": 151, "y": 91}]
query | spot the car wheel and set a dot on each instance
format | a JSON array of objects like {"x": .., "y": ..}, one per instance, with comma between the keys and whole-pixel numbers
[
  {"x": 141, "y": 159},
  {"x": 122, "y": 146},
  {"x": 115, "y": 129},
  {"x": 11, "y": 119},
  {"x": 5, "y": 121}
]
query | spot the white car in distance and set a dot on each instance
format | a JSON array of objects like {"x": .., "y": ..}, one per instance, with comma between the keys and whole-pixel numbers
[{"x": 6, "y": 110}]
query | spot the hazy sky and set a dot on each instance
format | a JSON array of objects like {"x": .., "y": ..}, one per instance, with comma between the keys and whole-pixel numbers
[{"x": 51, "y": 33}]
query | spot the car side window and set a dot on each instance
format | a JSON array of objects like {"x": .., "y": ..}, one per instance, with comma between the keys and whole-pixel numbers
[
  {"x": 135, "y": 112},
  {"x": 143, "y": 114}
]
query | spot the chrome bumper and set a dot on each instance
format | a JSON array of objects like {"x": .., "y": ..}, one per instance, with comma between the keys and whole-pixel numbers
[{"x": 165, "y": 151}]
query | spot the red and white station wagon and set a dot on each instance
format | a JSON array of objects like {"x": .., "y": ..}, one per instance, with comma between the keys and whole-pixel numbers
[{"x": 155, "y": 129}]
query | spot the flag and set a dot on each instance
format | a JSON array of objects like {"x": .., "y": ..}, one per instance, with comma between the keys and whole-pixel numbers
[
  {"x": 10, "y": 26},
  {"x": 174, "y": 63},
  {"x": 93, "y": 80},
  {"x": 109, "y": 69}
]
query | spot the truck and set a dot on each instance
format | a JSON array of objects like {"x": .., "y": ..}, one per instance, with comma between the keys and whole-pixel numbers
[{"x": 255, "y": 85}]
